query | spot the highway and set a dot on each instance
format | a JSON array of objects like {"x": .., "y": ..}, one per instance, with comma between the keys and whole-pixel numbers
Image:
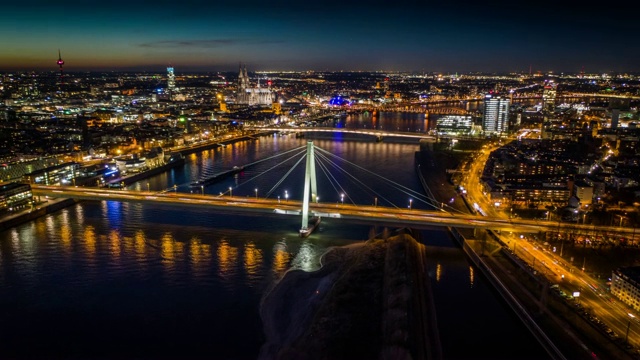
[{"x": 570, "y": 278}]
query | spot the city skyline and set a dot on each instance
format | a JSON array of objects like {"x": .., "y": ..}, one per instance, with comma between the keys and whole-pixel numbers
[{"x": 195, "y": 35}]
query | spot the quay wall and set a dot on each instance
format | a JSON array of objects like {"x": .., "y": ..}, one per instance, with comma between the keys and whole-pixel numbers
[{"x": 50, "y": 206}]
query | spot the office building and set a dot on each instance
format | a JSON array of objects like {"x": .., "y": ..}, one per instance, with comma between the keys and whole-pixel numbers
[
  {"x": 454, "y": 124},
  {"x": 15, "y": 196},
  {"x": 171, "y": 80},
  {"x": 549, "y": 97},
  {"x": 495, "y": 120}
]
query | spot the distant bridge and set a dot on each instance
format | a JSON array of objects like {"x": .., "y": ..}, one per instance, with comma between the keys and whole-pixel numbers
[
  {"x": 379, "y": 134},
  {"x": 411, "y": 107}
]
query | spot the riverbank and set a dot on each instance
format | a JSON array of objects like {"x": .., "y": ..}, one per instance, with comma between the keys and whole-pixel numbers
[
  {"x": 41, "y": 209},
  {"x": 54, "y": 204},
  {"x": 366, "y": 301}
]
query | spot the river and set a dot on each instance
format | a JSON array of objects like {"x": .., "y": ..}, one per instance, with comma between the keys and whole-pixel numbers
[{"x": 126, "y": 280}]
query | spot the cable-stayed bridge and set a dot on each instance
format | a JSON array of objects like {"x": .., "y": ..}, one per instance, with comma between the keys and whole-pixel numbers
[
  {"x": 382, "y": 211},
  {"x": 369, "y": 214}
]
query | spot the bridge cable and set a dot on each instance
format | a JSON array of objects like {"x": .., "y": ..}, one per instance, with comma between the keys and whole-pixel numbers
[
  {"x": 402, "y": 188},
  {"x": 201, "y": 178},
  {"x": 337, "y": 167},
  {"x": 276, "y": 155},
  {"x": 431, "y": 199},
  {"x": 285, "y": 176},
  {"x": 355, "y": 179},
  {"x": 330, "y": 176},
  {"x": 302, "y": 151}
]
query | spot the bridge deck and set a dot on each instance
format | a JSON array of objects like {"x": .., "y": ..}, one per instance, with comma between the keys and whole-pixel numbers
[{"x": 366, "y": 214}]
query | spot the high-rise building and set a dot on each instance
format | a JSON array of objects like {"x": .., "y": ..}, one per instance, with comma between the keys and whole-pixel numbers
[
  {"x": 171, "y": 79},
  {"x": 495, "y": 118},
  {"x": 549, "y": 97},
  {"x": 615, "y": 118},
  {"x": 615, "y": 105}
]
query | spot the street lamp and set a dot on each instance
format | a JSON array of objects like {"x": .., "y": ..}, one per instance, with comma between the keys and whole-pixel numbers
[
  {"x": 230, "y": 191},
  {"x": 175, "y": 188},
  {"x": 410, "y": 203},
  {"x": 342, "y": 198},
  {"x": 148, "y": 187},
  {"x": 317, "y": 199},
  {"x": 286, "y": 196},
  {"x": 278, "y": 199},
  {"x": 631, "y": 316},
  {"x": 202, "y": 188},
  {"x": 256, "y": 190}
]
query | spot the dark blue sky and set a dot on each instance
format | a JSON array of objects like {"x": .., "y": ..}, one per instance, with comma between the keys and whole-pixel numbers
[{"x": 389, "y": 35}]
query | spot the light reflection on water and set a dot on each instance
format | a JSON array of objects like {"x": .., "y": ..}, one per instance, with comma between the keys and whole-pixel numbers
[
  {"x": 187, "y": 278},
  {"x": 227, "y": 258},
  {"x": 307, "y": 257},
  {"x": 281, "y": 258}
]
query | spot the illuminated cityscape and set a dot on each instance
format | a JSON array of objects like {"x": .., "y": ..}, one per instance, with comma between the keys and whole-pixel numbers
[
  {"x": 368, "y": 184},
  {"x": 564, "y": 161}
]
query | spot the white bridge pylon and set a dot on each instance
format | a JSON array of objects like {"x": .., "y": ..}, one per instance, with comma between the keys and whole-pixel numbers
[{"x": 309, "y": 184}]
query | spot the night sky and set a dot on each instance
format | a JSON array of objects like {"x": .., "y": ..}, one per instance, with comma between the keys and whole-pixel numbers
[{"x": 393, "y": 35}]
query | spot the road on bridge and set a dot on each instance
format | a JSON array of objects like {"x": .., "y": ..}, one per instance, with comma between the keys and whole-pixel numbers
[{"x": 365, "y": 213}]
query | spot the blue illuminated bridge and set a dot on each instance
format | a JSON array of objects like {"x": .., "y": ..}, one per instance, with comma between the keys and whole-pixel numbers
[{"x": 311, "y": 209}]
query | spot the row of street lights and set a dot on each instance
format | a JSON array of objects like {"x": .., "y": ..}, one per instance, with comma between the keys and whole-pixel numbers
[{"x": 286, "y": 195}]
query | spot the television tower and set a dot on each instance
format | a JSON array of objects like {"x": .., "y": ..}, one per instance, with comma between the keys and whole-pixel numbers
[{"x": 60, "y": 62}]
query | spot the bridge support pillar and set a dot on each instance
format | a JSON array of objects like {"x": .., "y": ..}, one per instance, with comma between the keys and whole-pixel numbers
[{"x": 309, "y": 185}]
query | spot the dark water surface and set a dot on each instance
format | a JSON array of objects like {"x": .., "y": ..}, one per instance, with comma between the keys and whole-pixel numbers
[{"x": 125, "y": 280}]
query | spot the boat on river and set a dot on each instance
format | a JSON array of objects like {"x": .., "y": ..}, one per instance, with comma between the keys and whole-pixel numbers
[
  {"x": 313, "y": 223},
  {"x": 217, "y": 177}
]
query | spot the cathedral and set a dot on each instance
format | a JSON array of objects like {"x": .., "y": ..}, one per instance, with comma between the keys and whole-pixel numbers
[{"x": 252, "y": 96}]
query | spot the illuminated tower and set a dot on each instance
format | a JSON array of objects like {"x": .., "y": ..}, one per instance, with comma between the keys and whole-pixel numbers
[
  {"x": 549, "y": 97},
  {"x": 60, "y": 62},
  {"x": 243, "y": 78},
  {"x": 171, "y": 80}
]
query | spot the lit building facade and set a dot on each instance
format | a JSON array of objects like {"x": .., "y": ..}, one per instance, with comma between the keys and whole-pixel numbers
[
  {"x": 625, "y": 285},
  {"x": 62, "y": 174},
  {"x": 495, "y": 120},
  {"x": 15, "y": 196},
  {"x": 549, "y": 97},
  {"x": 584, "y": 192},
  {"x": 454, "y": 124}
]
